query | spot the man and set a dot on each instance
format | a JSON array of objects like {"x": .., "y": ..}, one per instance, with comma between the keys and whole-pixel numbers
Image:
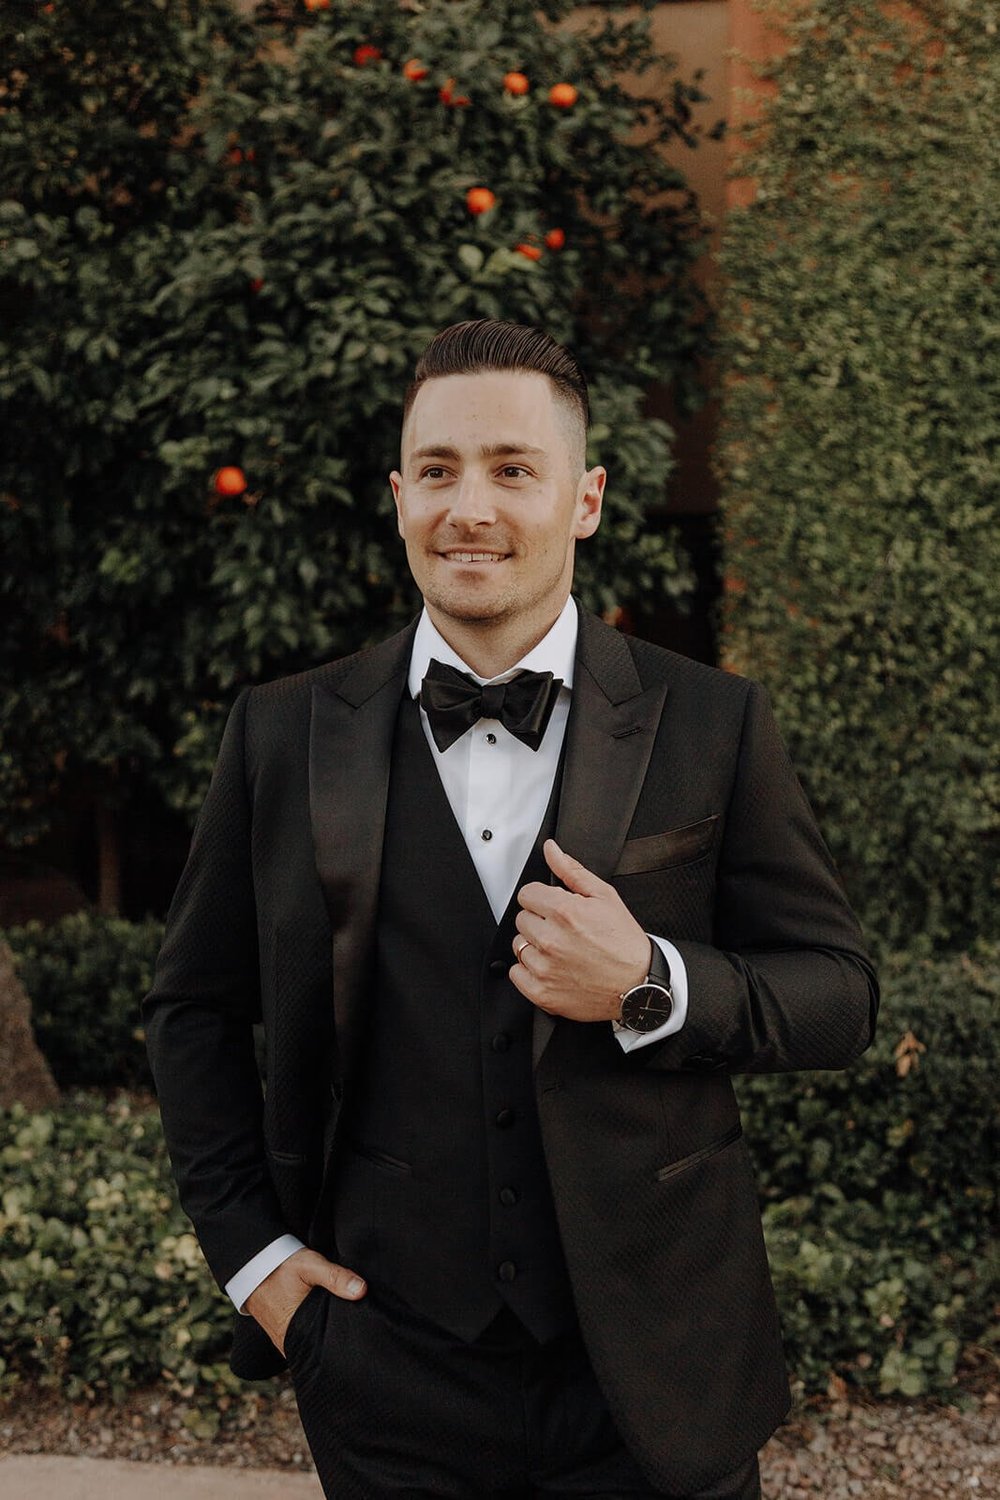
[{"x": 514, "y": 896}]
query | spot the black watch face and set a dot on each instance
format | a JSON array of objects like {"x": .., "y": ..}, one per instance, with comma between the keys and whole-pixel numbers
[{"x": 646, "y": 1007}]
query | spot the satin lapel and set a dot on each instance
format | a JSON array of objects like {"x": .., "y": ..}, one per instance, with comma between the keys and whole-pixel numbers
[
  {"x": 350, "y": 747},
  {"x": 609, "y": 740}
]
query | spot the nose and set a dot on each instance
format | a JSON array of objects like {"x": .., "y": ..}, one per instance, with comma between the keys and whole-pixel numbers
[{"x": 470, "y": 502}]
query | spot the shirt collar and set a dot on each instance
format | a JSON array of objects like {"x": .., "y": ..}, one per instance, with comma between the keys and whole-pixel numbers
[{"x": 555, "y": 652}]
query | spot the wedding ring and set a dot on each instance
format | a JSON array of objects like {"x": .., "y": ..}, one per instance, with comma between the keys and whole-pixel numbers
[{"x": 519, "y": 951}]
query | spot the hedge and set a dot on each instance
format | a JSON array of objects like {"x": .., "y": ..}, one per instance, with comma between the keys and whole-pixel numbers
[
  {"x": 102, "y": 1284},
  {"x": 86, "y": 975},
  {"x": 878, "y": 1187},
  {"x": 860, "y": 456}
]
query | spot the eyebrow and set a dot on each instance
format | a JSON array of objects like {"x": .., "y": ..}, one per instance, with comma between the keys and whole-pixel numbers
[{"x": 488, "y": 450}]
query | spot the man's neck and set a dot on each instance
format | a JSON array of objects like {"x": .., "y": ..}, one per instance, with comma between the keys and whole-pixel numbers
[{"x": 489, "y": 647}]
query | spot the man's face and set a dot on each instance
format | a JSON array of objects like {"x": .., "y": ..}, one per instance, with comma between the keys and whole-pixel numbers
[{"x": 490, "y": 502}]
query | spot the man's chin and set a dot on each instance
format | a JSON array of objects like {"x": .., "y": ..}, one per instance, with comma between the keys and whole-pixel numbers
[
  {"x": 468, "y": 610},
  {"x": 469, "y": 614}
]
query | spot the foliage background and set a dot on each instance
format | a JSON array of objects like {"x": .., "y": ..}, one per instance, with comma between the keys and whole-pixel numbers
[
  {"x": 86, "y": 976},
  {"x": 224, "y": 240},
  {"x": 860, "y": 449},
  {"x": 878, "y": 1189}
]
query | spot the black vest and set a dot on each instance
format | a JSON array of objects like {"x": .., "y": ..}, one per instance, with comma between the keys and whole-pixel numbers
[{"x": 441, "y": 1193}]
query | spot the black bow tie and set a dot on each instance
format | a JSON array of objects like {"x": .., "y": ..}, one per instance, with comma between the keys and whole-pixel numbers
[{"x": 454, "y": 701}]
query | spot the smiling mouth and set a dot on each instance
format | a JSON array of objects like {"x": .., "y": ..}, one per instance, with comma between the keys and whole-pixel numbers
[{"x": 475, "y": 557}]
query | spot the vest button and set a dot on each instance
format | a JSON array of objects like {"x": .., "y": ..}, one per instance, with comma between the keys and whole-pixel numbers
[
  {"x": 506, "y": 1270},
  {"x": 501, "y": 1042},
  {"x": 505, "y": 1117},
  {"x": 498, "y": 966},
  {"x": 508, "y": 1196}
]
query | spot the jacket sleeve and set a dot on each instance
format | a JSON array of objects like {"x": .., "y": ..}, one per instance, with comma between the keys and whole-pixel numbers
[
  {"x": 199, "y": 1018},
  {"x": 785, "y": 983}
]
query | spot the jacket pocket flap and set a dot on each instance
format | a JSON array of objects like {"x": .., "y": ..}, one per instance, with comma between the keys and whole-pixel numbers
[{"x": 674, "y": 1167}]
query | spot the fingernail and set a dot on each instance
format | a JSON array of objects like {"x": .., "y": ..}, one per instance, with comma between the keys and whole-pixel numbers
[{"x": 355, "y": 1286}]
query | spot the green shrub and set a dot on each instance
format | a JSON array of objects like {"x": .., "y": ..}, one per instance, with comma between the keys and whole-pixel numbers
[
  {"x": 860, "y": 449},
  {"x": 86, "y": 975},
  {"x": 857, "y": 1305},
  {"x": 102, "y": 1284},
  {"x": 225, "y": 240},
  {"x": 879, "y": 1184},
  {"x": 878, "y": 1188}
]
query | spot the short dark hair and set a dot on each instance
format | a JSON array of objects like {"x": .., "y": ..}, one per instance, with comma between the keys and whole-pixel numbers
[{"x": 489, "y": 344}]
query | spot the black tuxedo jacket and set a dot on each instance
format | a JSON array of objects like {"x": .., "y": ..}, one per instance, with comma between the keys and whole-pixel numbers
[{"x": 677, "y": 790}]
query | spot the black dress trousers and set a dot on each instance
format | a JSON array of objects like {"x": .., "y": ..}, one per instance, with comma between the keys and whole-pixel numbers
[{"x": 392, "y": 1405}]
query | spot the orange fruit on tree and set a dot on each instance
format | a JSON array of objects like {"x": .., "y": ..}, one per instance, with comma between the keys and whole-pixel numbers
[
  {"x": 555, "y": 239},
  {"x": 531, "y": 251},
  {"x": 479, "y": 200},
  {"x": 516, "y": 83},
  {"x": 448, "y": 96},
  {"x": 366, "y": 53},
  {"x": 317, "y": 4},
  {"x": 563, "y": 95},
  {"x": 230, "y": 480},
  {"x": 414, "y": 70}
]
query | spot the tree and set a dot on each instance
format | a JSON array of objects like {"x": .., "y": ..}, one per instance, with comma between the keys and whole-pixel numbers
[
  {"x": 25, "y": 1076},
  {"x": 256, "y": 226}
]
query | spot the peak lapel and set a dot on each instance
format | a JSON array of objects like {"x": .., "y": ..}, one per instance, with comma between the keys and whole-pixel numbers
[
  {"x": 350, "y": 747},
  {"x": 609, "y": 740}
]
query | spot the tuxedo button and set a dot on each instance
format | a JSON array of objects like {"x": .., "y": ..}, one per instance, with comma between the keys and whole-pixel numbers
[
  {"x": 501, "y": 1042},
  {"x": 506, "y": 1270},
  {"x": 499, "y": 966},
  {"x": 486, "y": 835},
  {"x": 508, "y": 1196},
  {"x": 491, "y": 739},
  {"x": 505, "y": 1117}
]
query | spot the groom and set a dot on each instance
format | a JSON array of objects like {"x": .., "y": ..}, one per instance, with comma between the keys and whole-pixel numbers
[{"x": 514, "y": 897}]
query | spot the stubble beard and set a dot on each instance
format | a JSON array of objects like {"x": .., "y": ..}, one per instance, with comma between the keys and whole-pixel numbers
[{"x": 505, "y": 607}]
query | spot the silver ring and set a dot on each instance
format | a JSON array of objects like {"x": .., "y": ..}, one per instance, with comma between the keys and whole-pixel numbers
[{"x": 519, "y": 951}]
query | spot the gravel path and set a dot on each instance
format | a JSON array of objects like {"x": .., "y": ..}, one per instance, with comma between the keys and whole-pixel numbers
[{"x": 879, "y": 1450}]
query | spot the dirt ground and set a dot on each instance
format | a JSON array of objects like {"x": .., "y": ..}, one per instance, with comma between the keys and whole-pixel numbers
[{"x": 837, "y": 1448}]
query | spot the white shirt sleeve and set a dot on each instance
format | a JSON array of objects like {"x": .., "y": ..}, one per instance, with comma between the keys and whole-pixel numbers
[
  {"x": 249, "y": 1277},
  {"x": 630, "y": 1041}
]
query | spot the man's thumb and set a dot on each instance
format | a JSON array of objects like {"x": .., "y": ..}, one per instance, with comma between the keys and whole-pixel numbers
[{"x": 574, "y": 876}]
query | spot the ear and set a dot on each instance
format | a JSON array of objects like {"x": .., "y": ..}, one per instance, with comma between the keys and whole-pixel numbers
[
  {"x": 589, "y": 498},
  {"x": 396, "y": 485}
]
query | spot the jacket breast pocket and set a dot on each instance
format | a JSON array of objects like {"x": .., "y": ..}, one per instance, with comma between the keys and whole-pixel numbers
[{"x": 675, "y": 846}]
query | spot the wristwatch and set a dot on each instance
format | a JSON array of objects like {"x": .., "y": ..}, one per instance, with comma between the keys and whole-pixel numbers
[{"x": 649, "y": 1005}]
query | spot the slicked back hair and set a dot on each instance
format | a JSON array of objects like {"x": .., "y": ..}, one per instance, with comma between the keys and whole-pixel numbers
[{"x": 488, "y": 344}]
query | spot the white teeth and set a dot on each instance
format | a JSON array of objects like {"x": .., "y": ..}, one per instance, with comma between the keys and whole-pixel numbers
[{"x": 475, "y": 557}]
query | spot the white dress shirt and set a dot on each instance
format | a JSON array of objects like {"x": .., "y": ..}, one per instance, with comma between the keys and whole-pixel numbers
[{"x": 498, "y": 790}]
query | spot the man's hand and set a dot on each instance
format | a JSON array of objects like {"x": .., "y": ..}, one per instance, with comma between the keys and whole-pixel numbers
[
  {"x": 275, "y": 1300},
  {"x": 580, "y": 948}
]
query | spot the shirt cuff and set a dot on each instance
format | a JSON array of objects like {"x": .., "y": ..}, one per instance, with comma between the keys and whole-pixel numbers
[
  {"x": 631, "y": 1041},
  {"x": 249, "y": 1277}
]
